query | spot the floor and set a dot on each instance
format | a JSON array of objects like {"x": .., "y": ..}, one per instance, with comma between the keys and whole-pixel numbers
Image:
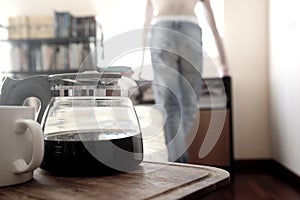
[
  {"x": 245, "y": 184},
  {"x": 256, "y": 185}
]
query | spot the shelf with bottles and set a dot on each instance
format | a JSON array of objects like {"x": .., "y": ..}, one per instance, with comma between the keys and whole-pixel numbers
[
  {"x": 47, "y": 55},
  {"x": 68, "y": 41},
  {"x": 24, "y": 74},
  {"x": 59, "y": 25},
  {"x": 51, "y": 40}
]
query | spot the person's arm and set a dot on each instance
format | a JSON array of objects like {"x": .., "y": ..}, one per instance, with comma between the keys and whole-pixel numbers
[
  {"x": 148, "y": 18},
  {"x": 219, "y": 43}
]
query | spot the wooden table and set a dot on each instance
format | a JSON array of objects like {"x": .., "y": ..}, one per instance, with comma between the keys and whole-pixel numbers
[{"x": 150, "y": 181}]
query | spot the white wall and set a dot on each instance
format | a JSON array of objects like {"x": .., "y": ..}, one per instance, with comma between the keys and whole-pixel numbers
[
  {"x": 285, "y": 82},
  {"x": 245, "y": 43},
  {"x": 113, "y": 13},
  {"x": 246, "y": 46}
]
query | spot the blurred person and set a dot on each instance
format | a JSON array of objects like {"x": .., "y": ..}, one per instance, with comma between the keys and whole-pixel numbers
[{"x": 175, "y": 41}]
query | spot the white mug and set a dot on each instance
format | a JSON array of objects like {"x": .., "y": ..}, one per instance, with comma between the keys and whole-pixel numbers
[{"x": 21, "y": 144}]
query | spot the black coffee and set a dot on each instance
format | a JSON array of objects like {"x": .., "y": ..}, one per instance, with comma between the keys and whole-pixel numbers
[{"x": 83, "y": 153}]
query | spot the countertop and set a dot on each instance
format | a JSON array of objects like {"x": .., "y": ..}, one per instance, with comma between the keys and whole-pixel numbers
[{"x": 152, "y": 180}]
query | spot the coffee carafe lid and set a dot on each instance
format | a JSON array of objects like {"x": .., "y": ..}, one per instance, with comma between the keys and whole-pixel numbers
[
  {"x": 85, "y": 78},
  {"x": 89, "y": 83}
]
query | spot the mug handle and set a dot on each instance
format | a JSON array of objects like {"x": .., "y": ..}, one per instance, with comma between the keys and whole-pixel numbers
[{"x": 20, "y": 166}]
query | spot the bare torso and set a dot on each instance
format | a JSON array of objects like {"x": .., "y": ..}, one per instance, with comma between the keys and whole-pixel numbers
[
  {"x": 160, "y": 8},
  {"x": 174, "y": 7}
]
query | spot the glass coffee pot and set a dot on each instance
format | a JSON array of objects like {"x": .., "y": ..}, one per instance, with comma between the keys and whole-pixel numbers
[{"x": 89, "y": 122}]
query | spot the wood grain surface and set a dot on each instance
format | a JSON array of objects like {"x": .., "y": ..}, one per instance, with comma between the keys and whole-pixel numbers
[{"x": 150, "y": 181}]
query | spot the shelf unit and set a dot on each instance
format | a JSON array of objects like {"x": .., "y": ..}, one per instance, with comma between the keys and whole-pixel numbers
[
  {"x": 64, "y": 52},
  {"x": 48, "y": 55}
]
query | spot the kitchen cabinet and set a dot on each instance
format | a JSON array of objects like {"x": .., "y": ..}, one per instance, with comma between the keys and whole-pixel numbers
[
  {"x": 212, "y": 144},
  {"x": 211, "y": 141}
]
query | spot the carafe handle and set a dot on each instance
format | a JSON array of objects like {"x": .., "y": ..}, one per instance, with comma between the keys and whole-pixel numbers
[{"x": 15, "y": 92}]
